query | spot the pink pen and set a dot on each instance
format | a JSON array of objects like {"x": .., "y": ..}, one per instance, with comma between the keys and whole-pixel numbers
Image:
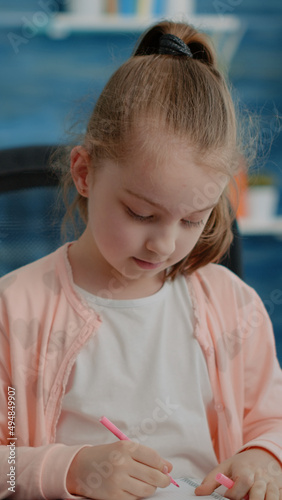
[
  {"x": 120, "y": 435},
  {"x": 224, "y": 480},
  {"x": 227, "y": 482}
]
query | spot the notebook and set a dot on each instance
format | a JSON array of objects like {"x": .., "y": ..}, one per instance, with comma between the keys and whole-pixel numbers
[{"x": 184, "y": 492}]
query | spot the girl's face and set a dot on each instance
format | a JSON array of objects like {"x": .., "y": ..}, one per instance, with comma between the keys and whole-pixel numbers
[{"x": 146, "y": 213}]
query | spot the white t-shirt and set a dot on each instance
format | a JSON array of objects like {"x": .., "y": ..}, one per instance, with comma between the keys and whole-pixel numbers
[{"x": 145, "y": 371}]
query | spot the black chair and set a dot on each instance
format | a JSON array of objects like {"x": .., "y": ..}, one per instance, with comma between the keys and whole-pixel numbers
[
  {"x": 30, "y": 217},
  {"x": 28, "y": 205}
]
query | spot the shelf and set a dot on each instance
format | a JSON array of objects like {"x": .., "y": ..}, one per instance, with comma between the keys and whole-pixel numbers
[
  {"x": 114, "y": 23},
  {"x": 227, "y": 31},
  {"x": 110, "y": 23},
  {"x": 271, "y": 227}
]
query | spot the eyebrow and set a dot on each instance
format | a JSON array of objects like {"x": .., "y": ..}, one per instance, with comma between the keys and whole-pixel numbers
[
  {"x": 144, "y": 198},
  {"x": 158, "y": 205}
]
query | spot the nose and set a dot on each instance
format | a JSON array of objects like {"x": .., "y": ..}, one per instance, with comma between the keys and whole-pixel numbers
[{"x": 162, "y": 242}]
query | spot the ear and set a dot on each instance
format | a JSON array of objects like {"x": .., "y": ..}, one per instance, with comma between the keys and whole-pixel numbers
[{"x": 80, "y": 169}]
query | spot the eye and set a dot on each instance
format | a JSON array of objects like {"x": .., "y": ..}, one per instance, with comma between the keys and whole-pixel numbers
[
  {"x": 189, "y": 223},
  {"x": 141, "y": 218}
]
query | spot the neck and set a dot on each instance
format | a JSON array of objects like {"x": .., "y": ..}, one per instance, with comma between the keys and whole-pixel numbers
[{"x": 91, "y": 274}]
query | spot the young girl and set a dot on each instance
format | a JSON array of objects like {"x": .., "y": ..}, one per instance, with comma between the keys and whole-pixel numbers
[{"x": 133, "y": 320}]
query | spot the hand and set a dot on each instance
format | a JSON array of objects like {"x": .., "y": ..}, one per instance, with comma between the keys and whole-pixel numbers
[
  {"x": 122, "y": 470},
  {"x": 255, "y": 472}
]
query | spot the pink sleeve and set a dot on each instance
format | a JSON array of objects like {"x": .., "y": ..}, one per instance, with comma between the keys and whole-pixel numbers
[
  {"x": 263, "y": 387},
  {"x": 40, "y": 472},
  {"x": 237, "y": 338}
]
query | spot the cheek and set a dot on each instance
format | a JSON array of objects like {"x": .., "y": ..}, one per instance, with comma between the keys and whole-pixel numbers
[
  {"x": 188, "y": 241},
  {"x": 112, "y": 231}
]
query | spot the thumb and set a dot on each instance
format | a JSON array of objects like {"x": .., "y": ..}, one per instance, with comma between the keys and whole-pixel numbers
[{"x": 209, "y": 483}]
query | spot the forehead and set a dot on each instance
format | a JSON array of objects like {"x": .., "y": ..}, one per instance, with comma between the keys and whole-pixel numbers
[
  {"x": 153, "y": 140},
  {"x": 167, "y": 169}
]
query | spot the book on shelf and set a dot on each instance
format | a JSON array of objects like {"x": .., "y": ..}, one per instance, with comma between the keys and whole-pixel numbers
[
  {"x": 127, "y": 7},
  {"x": 180, "y": 8},
  {"x": 136, "y": 8},
  {"x": 144, "y": 8},
  {"x": 150, "y": 8},
  {"x": 158, "y": 8},
  {"x": 111, "y": 7},
  {"x": 87, "y": 7}
]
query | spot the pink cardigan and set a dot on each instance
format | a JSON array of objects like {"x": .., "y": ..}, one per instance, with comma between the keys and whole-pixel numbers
[{"x": 43, "y": 324}]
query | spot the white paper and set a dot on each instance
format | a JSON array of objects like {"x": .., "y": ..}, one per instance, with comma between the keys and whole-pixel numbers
[{"x": 184, "y": 492}]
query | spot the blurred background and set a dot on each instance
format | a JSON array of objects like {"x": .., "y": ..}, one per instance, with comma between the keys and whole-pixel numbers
[{"x": 55, "y": 58}]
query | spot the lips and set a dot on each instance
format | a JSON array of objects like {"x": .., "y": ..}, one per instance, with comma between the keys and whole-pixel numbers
[{"x": 147, "y": 265}]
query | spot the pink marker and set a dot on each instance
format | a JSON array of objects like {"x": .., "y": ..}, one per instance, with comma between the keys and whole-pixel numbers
[
  {"x": 120, "y": 435},
  {"x": 113, "y": 428},
  {"x": 227, "y": 482},
  {"x": 224, "y": 480}
]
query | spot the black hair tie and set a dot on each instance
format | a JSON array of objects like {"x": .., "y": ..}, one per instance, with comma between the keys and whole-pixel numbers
[{"x": 174, "y": 46}]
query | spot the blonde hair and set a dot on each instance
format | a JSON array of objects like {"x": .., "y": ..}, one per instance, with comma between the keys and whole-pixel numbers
[{"x": 187, "y": 94}]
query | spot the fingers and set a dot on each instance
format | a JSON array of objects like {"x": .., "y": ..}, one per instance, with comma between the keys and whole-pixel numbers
[
  {"x": 152, "y": 468},
  {"x": 238, "y": 491},
  {"x": 254, "y": 487},
  {"x": 150, "y": 475},
  {"x": 249, "y": 488},
  {"x": 139, "y": 489},
  {"x": 241, "y": 487},
  {"x": 149, "y": 457},
  {"x": 263, "y": 490},
  {"x": 206, "y": 488},
  {"x": 209, "y": 483}
]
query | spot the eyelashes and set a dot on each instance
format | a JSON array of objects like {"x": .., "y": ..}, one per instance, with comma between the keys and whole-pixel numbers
[
  {"x": 190, "y": 223},
  {"x": 138, "y": 217},
  {"x": 148, "y": 218}
]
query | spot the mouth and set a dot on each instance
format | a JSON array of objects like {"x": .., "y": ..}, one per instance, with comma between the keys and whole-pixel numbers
[{"x": 147, "y": 265}]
